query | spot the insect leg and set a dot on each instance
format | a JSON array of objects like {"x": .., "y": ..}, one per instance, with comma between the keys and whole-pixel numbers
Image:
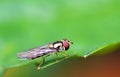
[
  {"x": 56, "y": 57},
  {"x": 64, "y": 54},
  {"x": 40, "y": 65}
]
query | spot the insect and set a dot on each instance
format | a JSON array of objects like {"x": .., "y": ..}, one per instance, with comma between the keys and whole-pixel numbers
[{"x": 46, "y": 50}]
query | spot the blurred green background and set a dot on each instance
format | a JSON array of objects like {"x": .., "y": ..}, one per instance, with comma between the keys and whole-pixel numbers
[{"x": 25, "y": 24}]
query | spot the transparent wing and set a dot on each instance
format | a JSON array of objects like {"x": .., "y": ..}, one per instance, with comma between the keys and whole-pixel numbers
[{"x": 36, "y": 52}]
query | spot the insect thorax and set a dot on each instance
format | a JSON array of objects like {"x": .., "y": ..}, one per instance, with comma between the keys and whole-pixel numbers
[{"x": 58, "y": 45}]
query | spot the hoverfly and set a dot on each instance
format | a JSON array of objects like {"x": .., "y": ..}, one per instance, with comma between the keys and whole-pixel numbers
[{"x": 55, "y": 47}]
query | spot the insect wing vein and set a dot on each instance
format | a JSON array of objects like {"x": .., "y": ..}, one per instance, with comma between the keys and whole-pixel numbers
[{"x": 36, "y": 52}]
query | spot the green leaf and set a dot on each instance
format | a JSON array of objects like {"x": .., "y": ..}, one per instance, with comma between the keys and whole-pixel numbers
[{"x": 91, "y": 25}]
